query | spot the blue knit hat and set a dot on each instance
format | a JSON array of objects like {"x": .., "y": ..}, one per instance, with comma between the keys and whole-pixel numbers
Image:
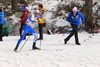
[{"x": 23, "y": 7}]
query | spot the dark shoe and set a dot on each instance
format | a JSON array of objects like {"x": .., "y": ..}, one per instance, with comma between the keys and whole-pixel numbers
[
  {"x": 1, "y": 40},
  {"x": 78, "y": 44},
  {"x": 34, "y": 47},
  {"x": 40, "y": 39},
  {"x": 6, "y": 35},
  {"x": 65, "y": 41}
]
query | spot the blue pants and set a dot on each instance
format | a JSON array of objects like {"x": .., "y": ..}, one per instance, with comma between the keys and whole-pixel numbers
[{"x": 24, "y": 31}]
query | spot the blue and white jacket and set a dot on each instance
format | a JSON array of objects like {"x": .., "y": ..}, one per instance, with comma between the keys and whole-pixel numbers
[
  {"x": 75, "y": 19},
  {"x": 32, "y": 19},
  {"x": 2, "y": 19}
]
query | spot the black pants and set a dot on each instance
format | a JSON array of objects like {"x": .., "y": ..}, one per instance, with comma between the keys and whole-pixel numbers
[
  {"x": 1, "y": 31},
  {"x": 40, "y": 31},
  {"x": 74, "y": 32}
]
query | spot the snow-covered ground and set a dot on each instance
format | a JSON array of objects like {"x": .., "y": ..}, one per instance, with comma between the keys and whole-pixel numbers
[{"x": 54, "y": 52}]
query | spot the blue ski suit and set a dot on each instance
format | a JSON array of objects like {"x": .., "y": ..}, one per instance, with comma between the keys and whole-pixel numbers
[{"x": 28, "y": 28}]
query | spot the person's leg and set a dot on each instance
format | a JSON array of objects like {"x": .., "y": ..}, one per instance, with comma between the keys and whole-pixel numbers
[
  {"x": 76, "y": 35},
  {"x": 71, "y": 34},
  {"x": 40, "y": 31},
  {"x": 34, "y": 42},
  {"x": 21, "y": 38},
  {"x": 1, "y": 32},
  {"x": 33, "y": 32},
  {"x": 35, "y": 37},
  {"x": 20, "y": 31}
]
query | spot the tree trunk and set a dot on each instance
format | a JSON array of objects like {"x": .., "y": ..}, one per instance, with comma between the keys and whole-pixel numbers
[
  {"x": 14, "y": 5},
  {"x": 22, "y": 1},
  {"x": 87, "y": 11}
]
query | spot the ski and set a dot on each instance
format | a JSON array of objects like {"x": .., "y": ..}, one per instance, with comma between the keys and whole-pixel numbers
[
  {"x": 36, "y": 49},
  {"x": 48, "y": 49},
  {"x": 53, "y": 49},
  {"x": 42, "y": 50}
]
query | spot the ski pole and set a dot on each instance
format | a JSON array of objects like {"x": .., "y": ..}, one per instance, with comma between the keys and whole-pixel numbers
[
  {"x": 40, "y": 43},
  {"x": 24, "y": 43}
]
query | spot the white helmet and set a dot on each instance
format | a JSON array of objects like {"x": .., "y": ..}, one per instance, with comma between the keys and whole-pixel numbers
[{"x": 36, "y": 11}]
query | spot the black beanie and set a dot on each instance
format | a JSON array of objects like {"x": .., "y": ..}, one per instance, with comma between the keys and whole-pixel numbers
[{"x": 0, "y": 10}]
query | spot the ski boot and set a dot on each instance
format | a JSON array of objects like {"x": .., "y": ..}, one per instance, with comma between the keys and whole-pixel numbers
[
  {"x": 16, "y": 48},
  {"x": 78, "y": 44},
  {"x": 34, "y": 47},
  {"x": 65, "y": 41}
]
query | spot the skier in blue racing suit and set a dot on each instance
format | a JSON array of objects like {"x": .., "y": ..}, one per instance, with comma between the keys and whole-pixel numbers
[{"x": 28, "y": 28}]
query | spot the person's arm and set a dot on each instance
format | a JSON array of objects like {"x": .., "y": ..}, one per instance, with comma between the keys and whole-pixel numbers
[
  {"x": 24, "y": 16},
  {"x": 69, "y": 18},
  {"x": 41, "y": 15},
  {"x": 82, "y": 18},
  {"x": 32, "y": 19},
  {"x": 3, "y": 18}
]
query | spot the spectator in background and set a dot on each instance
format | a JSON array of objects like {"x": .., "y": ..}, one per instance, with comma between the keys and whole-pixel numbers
[
  {"x": 2, "y": 21},
  {"x": 40, "y": 24},
  {"x": 74, "y": 19},
  {"x": 23, "y": 18}
]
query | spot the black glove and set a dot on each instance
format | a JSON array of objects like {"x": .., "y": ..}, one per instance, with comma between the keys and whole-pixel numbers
[{"x": 69, "y": 20}]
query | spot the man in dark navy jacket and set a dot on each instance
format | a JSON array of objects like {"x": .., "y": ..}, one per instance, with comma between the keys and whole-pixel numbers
[{"x": 74, "y": 18}]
